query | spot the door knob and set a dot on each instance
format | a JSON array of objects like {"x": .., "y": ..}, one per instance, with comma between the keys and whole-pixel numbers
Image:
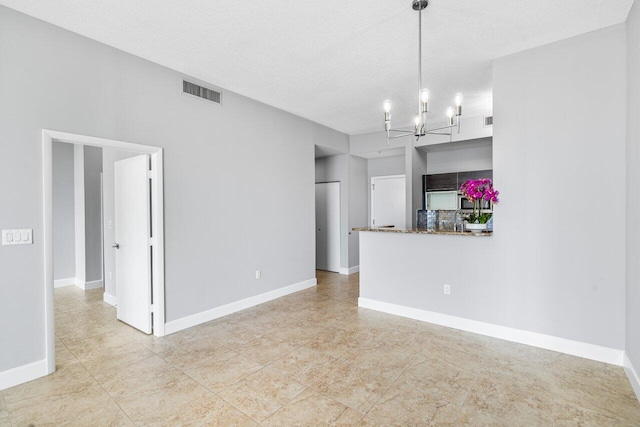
[{"x": 117, "y": 246}]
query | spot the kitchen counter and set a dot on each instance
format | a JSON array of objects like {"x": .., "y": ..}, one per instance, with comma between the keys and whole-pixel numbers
[{"x": 416, "y": 231}]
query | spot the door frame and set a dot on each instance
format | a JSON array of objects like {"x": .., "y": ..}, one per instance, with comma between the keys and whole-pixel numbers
[
  {"x": 157, "y": 211},
  {"x": 371, "y": 193}
]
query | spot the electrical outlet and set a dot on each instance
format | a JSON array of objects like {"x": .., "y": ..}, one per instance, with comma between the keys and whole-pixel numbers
[
  {"x": 447, "y": 289},
  {"x": 258, "y": 274}
]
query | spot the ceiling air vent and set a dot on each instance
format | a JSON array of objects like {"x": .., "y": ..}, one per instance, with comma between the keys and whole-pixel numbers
[
  {"x": 201, "y": 92},
  {"x": 488, "y": 121}
]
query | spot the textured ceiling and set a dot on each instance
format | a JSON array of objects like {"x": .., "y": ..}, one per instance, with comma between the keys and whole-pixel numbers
[{"x": 332, "y": 61}]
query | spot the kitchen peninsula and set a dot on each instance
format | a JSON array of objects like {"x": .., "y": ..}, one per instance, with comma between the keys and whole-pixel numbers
[{"x": 423, "y": 231}]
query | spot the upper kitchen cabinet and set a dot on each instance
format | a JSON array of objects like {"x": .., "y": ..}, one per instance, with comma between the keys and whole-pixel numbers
[
  {"x": 442, "y": 182},
  {"x": 466, "y": 176}
]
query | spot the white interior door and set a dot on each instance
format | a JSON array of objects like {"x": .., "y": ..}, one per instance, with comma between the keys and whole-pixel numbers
[
  {"x": 132, "y": 231},
  {"x": 328, "y": 226},
  {"x": 388, "y": 201}
]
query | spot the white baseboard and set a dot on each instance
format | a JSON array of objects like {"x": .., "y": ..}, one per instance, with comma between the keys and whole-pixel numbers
[
  {"x": 61, "y": 283},
  {"x": 110, "y": 299},
  {"x": 632, "y": 374},
  {"x": 23, "y": 374},
  {"x": 349, "y": 271},
  {"x": 549, "y": 342},
  {"x": 92, "y": 285},
  {"x": 225, "y": 310}
]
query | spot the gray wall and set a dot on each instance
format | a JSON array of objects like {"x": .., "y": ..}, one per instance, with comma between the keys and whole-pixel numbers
[
  {"x": 566, "y": 278},
  {"x": 93, "y": 212},
  {"x": 633, "y": 183},
  {"x": 471, "y": 156},
  {"x": 64, "y": 260},
  {"x": 393, "y": 165},
  {"x": 109, "y": 157},
  {"x": 549, "y": 159},
  {"x": 235, "y": 201},
  {"x": 358, "y": 205}
]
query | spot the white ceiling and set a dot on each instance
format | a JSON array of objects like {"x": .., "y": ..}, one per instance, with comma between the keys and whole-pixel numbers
[{"x": 332, "y": 61}]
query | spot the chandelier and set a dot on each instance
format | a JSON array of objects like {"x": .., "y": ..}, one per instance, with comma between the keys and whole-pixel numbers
[{"x": 420, "y": 122}]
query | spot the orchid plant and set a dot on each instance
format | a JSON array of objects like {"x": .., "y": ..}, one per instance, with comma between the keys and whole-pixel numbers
[{"x": 476, "y": 190}]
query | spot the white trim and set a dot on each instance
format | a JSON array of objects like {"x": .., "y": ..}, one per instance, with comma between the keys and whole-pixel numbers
[
  {"x": 225, "y": 310},
  {"x": 22, "y": 374},
  {"x": 79, "y": 213},
  {"x": 92, "y": 285},
  {"x": 48, "y": 136},
  {"x": 549, "y": 342},
  {"x": 61, "y": 283},
  {"x": 349, "y": 271},
  {"x": 632, "y": 374},
  {"x": 110, "y": 299}
]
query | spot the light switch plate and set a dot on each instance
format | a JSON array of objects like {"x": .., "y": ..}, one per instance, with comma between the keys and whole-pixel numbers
[{"x": 17, "y": 237}]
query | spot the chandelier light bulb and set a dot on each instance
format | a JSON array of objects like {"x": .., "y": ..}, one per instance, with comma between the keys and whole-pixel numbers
[
  {"x": 424, "y": 95},
  {"x": 387, "y": 106},
  {"x": 459, "y": 99},
  {"x": 449, "y": 112},
  {"x": 417, "y": 121}
]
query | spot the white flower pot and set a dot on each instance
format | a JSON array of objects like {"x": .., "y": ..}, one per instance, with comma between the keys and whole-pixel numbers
[{"x": 475, "y": 228}]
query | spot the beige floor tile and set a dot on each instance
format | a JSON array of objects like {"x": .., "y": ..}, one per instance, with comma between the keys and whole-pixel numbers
[
  {"x": 4, "y": 413},
  {"x": 110, "y": 343},
  {"x": 162, "y": 344},
  {"x": 440, "y": 380},
  {"x": 452, "y": 415},
  {"x": 569, "y": 416},
  {"x": 57, "y": 409},
  {"x": 156, "y": 405},
  {"x": 385, "y": 370},
  {"x": 63, "y": 355},
  {"x": 266, "y": 349},
  {"x": 304, "y": 365},
  {"x": 115, "y": 360},
  {"x": 145, "y": 375},
  {"x": 403, "y": 404},
  {"x": 193, "y": 352},
  {"x": 595, "y": 386},
  {"x": 107, "y": 416},
  {"x": 357, "y": 388},
  {"x": 308, "y": 409},
  {"x": 518, "y": 404},
  {"x": 300, "y": 333},
  {"x": 66, "y": 379},
  {"x": 262, "y": 394},
  {"x": 223, "y": 370},
  {"x": 230, "y": 334},
  {"x": 209, "y": 411}
]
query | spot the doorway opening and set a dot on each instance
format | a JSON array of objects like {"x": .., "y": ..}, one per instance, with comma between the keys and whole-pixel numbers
[
  {"x": 328, "y": 226},
  {"x": 151, "y": 159}
]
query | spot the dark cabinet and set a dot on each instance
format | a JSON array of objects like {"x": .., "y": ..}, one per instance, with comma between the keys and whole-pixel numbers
[
  {"x": 466, "y": 176},
  {"x": 450, "y": 181},
  {"x": 441, "y": 182}
]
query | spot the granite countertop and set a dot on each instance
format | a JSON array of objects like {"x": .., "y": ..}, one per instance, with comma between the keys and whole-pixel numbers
[{"x": 416, "y": 231}]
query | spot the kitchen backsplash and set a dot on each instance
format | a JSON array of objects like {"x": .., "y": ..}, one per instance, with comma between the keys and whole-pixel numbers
[{"x": 443, "y": 220}]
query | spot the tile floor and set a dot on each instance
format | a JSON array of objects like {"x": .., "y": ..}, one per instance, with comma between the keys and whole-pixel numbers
[{"x": 312, "y": 358}]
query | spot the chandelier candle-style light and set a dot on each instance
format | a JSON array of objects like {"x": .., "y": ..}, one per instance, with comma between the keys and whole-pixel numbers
[{"x": 420, "y": 121}]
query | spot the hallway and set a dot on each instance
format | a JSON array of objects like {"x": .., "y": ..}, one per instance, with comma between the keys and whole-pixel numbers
[{"x": 311, "y": 358}]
